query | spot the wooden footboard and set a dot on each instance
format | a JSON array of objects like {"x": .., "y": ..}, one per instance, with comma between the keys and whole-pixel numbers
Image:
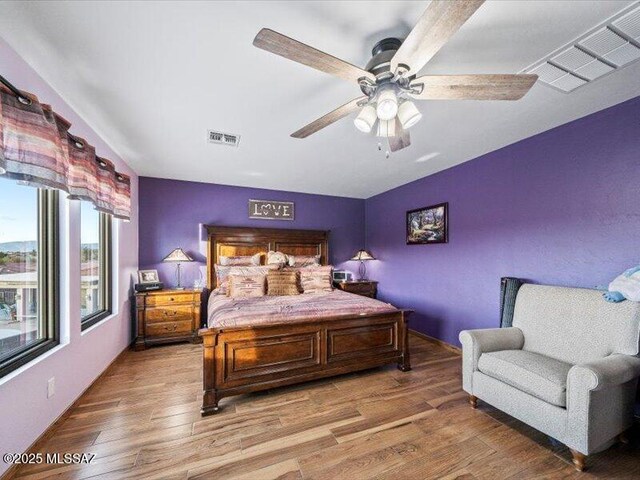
[{"x": 249, "y": 359}]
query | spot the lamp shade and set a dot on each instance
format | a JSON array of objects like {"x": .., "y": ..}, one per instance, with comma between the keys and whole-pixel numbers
[
  {"x": 362, "y": 255},
  {"x": 177, "y": 255}
]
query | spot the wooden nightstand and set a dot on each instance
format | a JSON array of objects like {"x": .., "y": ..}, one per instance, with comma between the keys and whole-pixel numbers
[
  {"x": 166, "y": 316},
  {"x": 366, "y": 288}
]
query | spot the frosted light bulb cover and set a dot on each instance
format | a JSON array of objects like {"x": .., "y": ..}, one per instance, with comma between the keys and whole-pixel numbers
[
  {"x": 365, "y": 119},
  {"x": 386, "y": 128},
  {"x": 408, "y": 114},
  {"x": 387, "y": 107}
]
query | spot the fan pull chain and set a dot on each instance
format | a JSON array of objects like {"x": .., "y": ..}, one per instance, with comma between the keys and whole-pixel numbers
[{"x": 387, "y": 154}]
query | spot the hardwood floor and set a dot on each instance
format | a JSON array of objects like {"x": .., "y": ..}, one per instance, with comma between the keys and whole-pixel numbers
[{"x": 142, "y": 421}]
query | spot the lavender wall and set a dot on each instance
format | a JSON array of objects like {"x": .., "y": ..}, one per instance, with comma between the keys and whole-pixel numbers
[
  {"x": 25, "y": 410},
  {"x": 562, "y": 208},
  {"x": 172, "y": 213}
]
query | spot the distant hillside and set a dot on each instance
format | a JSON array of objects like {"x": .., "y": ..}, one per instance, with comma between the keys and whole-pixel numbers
[
  {"x": 27, "y": 246},
  {"x": 30, "y": 245}
]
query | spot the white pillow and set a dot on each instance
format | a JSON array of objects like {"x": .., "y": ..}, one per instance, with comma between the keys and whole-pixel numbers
[{"x": 277, "y": 258}]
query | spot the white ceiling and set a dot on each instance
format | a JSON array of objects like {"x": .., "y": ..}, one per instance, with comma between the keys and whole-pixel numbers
[{"x": 152, "y": 77}]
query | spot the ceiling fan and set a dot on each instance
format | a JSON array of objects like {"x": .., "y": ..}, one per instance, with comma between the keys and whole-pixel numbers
[{"x": 388, "y": 81}]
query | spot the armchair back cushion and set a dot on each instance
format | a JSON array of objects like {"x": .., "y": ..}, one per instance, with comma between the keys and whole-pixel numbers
[{"x": 575, "y": 325}]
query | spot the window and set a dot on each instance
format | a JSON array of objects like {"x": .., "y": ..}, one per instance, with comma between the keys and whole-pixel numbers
[
  {"x": 95, "y": 265},
  {"x": 28, "y": 273}
]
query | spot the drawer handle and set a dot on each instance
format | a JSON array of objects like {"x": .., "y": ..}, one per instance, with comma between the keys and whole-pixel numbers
[
  {"x": 167, "y": 313},
  {"x": 171, "y": 299},
  {"x": 168, "y": 328}
]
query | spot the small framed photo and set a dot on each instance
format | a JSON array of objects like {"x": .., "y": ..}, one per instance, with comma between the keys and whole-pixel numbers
[
  {"x": 148, "y": 276},
  {"x": 428, "y": 225}
]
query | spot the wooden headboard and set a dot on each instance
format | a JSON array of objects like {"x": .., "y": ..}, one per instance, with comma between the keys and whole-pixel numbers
[{"x": 235, "y": 241}]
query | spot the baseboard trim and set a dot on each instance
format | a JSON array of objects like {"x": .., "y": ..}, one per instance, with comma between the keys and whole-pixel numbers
[
  {"x": 33, "y": 448},
  {"x": 437, "y": 341}
]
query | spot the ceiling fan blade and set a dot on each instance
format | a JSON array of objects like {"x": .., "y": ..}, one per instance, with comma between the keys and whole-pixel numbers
[
  {"x": 286, "y": 47},
  {"x": 438, "y": 23},
  {"x": 329, "y": 118},
  {"x": 401, "y": 140},
  {"x": 474, "y": 87}
]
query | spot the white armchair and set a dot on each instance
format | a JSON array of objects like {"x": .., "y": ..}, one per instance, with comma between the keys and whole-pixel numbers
[{"x": 568, "y": 367}]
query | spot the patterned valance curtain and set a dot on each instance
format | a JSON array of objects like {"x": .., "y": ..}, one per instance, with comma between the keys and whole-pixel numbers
[{"x": 36, "y": 148}]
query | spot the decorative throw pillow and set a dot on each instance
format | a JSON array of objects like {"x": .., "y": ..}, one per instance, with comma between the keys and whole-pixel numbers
[
  {"x": 282, "y": 282},
  {"x": 316, "y": 280},
  {"x": 244, "y": 261},
  {"x": 276, "y": 258},
  {"x": 302, "y": 261},
  {"x": 246, "y": 286},
  {"x": 223, "y": 272}
]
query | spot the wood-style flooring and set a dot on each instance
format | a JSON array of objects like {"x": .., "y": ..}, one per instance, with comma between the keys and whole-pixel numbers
[{"x": 142, "y": 420}]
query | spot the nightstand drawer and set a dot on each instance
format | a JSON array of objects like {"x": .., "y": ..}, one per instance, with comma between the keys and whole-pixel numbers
[
  {"x": 360, "y": 288},
  {"x": 172, "y": 298},
  {"x": 168, "y": 328},
  {"x": 366, "y": 288},
  {"x": 169, "y": 313}
]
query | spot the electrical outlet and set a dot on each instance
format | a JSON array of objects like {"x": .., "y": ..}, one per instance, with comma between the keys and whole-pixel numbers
[{"x": 51, "y": 387}]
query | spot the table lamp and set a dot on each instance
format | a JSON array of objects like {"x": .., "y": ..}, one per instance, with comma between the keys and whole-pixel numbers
[
  {"x": 362, "y": 256},
  {"x": 178, "y": 256}
]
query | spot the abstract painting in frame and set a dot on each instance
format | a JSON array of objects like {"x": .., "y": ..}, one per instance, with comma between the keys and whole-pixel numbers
[{"x": 428, "y": 225}]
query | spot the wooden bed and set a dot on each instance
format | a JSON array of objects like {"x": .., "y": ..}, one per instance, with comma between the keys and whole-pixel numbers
[{"x": 239, "y": 360}]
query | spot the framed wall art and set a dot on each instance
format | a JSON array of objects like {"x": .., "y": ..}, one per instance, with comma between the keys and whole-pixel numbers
[{"x": 428, "y": 225}]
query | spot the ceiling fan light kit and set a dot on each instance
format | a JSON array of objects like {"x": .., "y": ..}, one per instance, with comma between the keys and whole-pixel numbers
[
  {"x": 387, "y": 102},
  {"x": 386, "y": 128},
  {"x": 408, "y": 114},
  {"x": 366, "y": 119},
  {"x": 389, "y": 82}
]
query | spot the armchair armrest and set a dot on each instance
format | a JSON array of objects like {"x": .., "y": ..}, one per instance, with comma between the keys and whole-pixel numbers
[
  {"x": 604, "y": 372},
  {"x": 477, "y": 342},
  {"x": 600, "y": 400},
  {"x": 485, "y": 340}
]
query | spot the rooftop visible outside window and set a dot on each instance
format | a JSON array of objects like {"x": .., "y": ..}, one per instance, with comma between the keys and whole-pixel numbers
[{"x": 28, "y": 296}]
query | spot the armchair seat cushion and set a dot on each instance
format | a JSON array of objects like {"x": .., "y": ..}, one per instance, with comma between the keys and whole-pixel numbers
[{"x": 533, "y": 373}]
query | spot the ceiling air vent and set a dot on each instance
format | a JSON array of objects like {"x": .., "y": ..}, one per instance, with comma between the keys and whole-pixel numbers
[
  {"x": 605, "y": 48},
  {"x": 221, "y": 138}
]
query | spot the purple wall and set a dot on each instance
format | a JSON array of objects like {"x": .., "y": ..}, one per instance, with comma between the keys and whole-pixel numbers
[
  {"x": 172, "y": 211},
  {"x": 562, "y": 208}
]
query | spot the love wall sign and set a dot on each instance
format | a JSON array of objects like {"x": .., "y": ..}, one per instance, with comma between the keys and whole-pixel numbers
[{"x": 270, "y": 210}]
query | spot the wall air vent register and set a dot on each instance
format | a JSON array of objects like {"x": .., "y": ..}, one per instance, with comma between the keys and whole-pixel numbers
[
  {"x": 609, "y": 46},
  {"x": 221, "y": 138}
]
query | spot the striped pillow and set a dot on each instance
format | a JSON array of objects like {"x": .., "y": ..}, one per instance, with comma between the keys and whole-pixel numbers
[
  {"x": 223, "y": 272},
  {"x": 282, "y": 282},
  {"x": 244, "y": 261},
  {"x": 301, "y": 261},
  {"x": 245, "y": 286},
  {"x": 316, "y": 280}
]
